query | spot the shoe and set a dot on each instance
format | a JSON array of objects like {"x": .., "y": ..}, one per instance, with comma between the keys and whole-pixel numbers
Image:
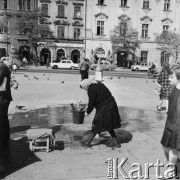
[
  {"x": 114, "y": 143},
  {"x": 87, "y": 143},
  {"x": 159, "y": 109}
]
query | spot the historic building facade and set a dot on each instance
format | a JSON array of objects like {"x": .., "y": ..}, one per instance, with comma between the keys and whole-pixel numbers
[
  {"x": 149, "y": 17},
  {"x": 10, "y": 39},
  {"x": 66, "y": 19}
]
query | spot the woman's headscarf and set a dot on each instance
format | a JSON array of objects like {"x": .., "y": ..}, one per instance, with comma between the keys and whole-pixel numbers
[{"x": 86, "y": 83}]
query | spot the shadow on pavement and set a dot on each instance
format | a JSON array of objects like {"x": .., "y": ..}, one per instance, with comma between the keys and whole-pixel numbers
[{"x": 17, "y": 157}]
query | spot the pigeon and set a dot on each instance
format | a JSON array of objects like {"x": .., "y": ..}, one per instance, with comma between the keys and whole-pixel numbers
[
  {"x": 146, "y": 81},
  {"x": 43, "y": 74},
  {"x": 49, "y": 74},
  {"x": 62, "y": 82},
  {"x": 111, "y": 78},
  {"x": 47, "y": 78},
  {"x": 119, "y": 77},
  {"x": 16, "y": 86},
  {"x": 19, "y": 107},
  {"x": 153, "y": 81},
  {"x": 14, "y": 80},
  {"x": 36, "y": 78}
]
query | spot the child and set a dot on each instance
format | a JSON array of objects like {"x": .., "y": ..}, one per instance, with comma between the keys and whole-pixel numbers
[
  {"x": 171, "y": 136},
  {"x": 14, "y": 68}
]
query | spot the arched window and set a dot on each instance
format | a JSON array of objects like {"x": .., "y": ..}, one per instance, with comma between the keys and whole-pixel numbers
[
  {"x": 164, "y": 57},
  {"x": 60, "y": 54}
]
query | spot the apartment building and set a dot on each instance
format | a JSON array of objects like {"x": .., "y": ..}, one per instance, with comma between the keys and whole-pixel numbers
[
  {"x": 66, "y": 19},
  {"x": 10, "y": 39},
  {"x": 149, "y": 17}
]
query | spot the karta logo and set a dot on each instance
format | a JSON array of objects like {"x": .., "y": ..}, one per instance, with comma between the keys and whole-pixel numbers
[{"x": 115, "y": 169}]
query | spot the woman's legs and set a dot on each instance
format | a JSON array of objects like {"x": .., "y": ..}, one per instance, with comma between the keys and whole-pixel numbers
[
  {"x": 172, "y": 156},
  {"x": 115, "y": 142}
]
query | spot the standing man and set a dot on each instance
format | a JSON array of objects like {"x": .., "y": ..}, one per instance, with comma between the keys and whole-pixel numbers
[
  {"x": 84, "y": 69},
  {"x": 48, "y": 62},
  {"x": 5, "y": 99}
]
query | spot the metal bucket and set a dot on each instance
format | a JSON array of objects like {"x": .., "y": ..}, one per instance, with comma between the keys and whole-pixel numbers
[{"x": 78, "y": 116}]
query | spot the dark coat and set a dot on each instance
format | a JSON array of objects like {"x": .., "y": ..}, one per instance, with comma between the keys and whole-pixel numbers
[
  {"x": 5, "y": 97},
  {"x": 171, "y": 135},
  {"x": 107, "y": 115}
]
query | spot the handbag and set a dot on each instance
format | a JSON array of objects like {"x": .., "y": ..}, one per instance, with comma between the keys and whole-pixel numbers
[{"x": 3, "y": 85}]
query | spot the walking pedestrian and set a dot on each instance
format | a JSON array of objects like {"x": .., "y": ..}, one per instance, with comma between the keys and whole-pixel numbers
[
  {"x": 24, "y": 62},
  {"x": 48, "y": 62},
  {"x": 107, "y": 116},
  {"x": 163, "y": 80},
  {"x": 84, "y": 69},
  {"x": 171, "y": 135},
  {"x": 5, "y": 98}
]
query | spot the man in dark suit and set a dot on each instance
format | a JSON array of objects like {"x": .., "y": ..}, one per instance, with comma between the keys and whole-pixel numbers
[{"x": 5, "y": 98}]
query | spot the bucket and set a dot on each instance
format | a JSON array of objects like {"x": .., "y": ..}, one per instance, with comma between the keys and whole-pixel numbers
[{"x": 78, "y": 117}]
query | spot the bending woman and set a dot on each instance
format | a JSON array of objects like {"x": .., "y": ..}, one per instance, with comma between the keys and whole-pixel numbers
[{"x": 107, "y": 116}]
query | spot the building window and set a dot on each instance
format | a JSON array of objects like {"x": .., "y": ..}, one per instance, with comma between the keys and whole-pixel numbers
[
  {"x": 124, "y": 3},
  {"x": 100, "y": 27},
  {"x": 44, "y": 9},
  {"x": 60, "y": 32},
  {"x": 77, "y": 33},
  {"x": 61, "y": 11},
  {"x": 77, "y": 11},
  {"x": 35, "y": 4},
  {"x": 166, "y": 5},
  {"x": 100, "y": 2},
  {"x": 5, "y": 4},
  {"x": 146, "y": 4},
  {"x": 165, "y": 27},
  {"x": 24, "y": 5},
  {"x": 144, "y": 55},
  {"x": 145, "y": 30}
]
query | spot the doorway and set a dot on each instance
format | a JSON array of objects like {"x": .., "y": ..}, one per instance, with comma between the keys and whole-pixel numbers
[
  {"x": 75, "y": 56},
  {"x": 122, "y": 59},
  {"x": 45, "y": 53}
]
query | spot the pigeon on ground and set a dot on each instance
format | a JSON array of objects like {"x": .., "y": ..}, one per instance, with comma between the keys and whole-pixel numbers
[
  {"x": 19, "y": 107},
  {"x": 49, "y": 74},
  {"x": 146, "y": 81},
  {"x": 16, "y": 87},
  {"x": 14, "y": 80},
  {"x": 119, "y": 77},
  {"x": 43, "y": 74},
  {"x": 153, "y": 81},
  {"x": 47, "y": 78},
  {"x": 111, "y": 78},
  {"x": 62, "y": 82}
]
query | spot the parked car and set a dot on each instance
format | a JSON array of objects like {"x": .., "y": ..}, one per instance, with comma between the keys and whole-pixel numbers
[
  {"x": 140, "y": 67},
  {"x": 64, "y": 64},
  {"x": 105, "y": 66}
]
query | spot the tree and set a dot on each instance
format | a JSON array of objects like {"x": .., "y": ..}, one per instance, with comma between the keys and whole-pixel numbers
[
  {"x": 169, "y": 41},
  {"x": 36, "y": 27},
  {"x": 124, "y": 36}
]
